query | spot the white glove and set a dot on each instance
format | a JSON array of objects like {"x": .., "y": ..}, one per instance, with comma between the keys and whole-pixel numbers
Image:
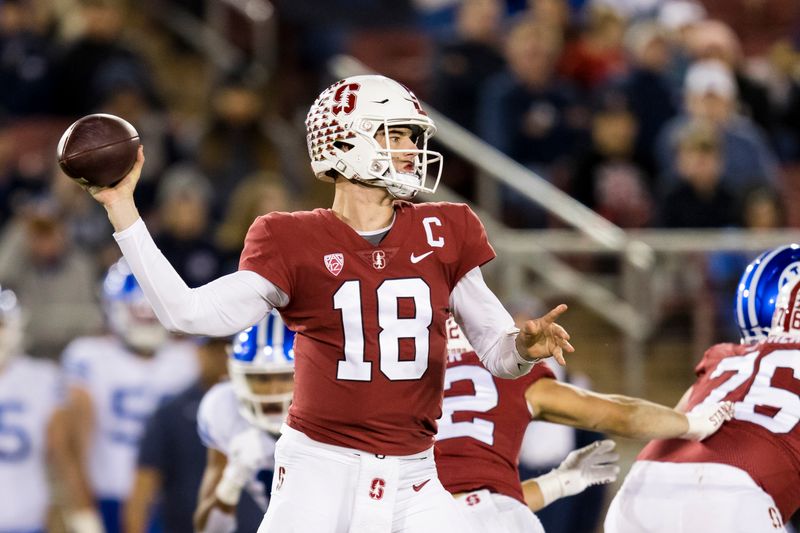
[
  {"x": 594, "y": 464},
  {"x": 246, "y": 457},
  {"x": 84, "y": 521},
  {"x": 705, "y": 420}
]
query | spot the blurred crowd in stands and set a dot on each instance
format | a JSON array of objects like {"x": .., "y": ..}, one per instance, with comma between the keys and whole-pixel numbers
[{"x": 654, "y": 113}]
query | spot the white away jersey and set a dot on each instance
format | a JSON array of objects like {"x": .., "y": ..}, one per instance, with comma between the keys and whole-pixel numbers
[
  {"x": 30, "y": 391},
  {"x": 125, "y": 390},
  {"x": 219, "y": 421}
]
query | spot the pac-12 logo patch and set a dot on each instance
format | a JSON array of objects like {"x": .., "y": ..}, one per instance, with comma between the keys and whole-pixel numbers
[{"x": 334, "y": 263}]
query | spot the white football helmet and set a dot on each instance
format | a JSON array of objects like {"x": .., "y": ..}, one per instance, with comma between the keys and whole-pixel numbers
[
  {"x": 341, "y": 128},
  {"x": 261, "y": 368},
  {"x": 10, "y": 325},
  {"x": 128, "y": 313}
]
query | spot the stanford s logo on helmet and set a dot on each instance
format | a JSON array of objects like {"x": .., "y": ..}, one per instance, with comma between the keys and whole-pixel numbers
[
  {"x": 341, "y": 128},
  {"x": 345, "y": 98},
  {"x": 759, "y": 287}
]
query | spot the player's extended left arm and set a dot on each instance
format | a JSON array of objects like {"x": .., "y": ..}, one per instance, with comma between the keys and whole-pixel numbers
[
  {"x": 503, "y": 349},
  {"x": 562, "y": 403}
]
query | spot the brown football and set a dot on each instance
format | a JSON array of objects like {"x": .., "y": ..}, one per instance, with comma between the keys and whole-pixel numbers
[{"x": 98, "y": 149}]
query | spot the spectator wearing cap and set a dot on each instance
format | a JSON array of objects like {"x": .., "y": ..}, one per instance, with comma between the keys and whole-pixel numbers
[
  {"x": 710, "y": 95},
  {"x": 699, "y": 199},
  {"x": 182, "y": 234},
  {"x": 54, "y": 281},
  {"x": 713, "y": 39}
]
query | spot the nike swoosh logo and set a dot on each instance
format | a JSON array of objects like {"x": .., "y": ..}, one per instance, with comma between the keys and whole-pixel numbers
[
  {"x": 418, "y": 486},
  {"x": 417, "y": 258}
]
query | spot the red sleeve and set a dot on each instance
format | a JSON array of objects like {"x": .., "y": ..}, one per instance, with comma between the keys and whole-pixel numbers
[
  {"x": 262, "y": 254},
  {"x": 475, "y": 248},
  {"x": 539, "y": 371}
]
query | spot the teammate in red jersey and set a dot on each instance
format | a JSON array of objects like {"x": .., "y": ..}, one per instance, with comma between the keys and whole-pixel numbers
[
  {"x": 746, "y": 478},
  {"x": 484, "y": 420},
  {"x": 367, "y": 286}
]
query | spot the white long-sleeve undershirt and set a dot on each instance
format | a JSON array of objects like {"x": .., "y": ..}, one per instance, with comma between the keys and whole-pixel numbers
[{"x": 236, "y": 301}]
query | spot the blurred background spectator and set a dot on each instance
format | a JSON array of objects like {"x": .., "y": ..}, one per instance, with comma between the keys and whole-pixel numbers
[
  {"x": 183, "y": 228},
  {"x": 710, "y": 94},
  {"x": 55, "y": 282},
  {"x": 700, "y": 198}
]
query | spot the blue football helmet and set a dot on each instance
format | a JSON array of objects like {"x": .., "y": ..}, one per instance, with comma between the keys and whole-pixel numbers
[
  {"x": 10, "y": 325},
  {"x": 786, "y": 320},
  {"x": 261, "y": 368},
  {"x": 128, "y": 313},
  {"x": 758, "y": 289}
]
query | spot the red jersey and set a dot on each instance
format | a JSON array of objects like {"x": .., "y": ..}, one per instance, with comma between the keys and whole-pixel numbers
[
  {"x": 370, "y": 320},
  {"x": 483, "y": 422},
  {"x": 763, "y": 439}
]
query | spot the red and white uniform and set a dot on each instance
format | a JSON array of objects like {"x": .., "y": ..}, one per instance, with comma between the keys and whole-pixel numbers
[
  {"x": 370, "y": 356},
  {"x": 370, "y": 320},
  {"x": 480, "y": 435},
  {"x": 754, "y": 458}
]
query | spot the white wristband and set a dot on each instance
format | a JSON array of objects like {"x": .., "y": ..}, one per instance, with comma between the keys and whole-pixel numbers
[
  {"x": 228, "y": 491},
  {"x": 550, "y": 485},
  {"x": 84, "y": 521}
]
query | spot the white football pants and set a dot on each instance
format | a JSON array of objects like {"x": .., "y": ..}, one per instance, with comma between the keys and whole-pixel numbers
[
  {"x": 320, "y": 488},
  {"x": 661, "y": 497},
  {"x": 496, "y": 513}
]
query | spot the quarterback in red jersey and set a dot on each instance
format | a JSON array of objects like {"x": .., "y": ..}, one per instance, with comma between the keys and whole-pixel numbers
[
  {"x": 367, "y": 286},
  {"x": 484, "y": 420},
  {"x": 746, "y": 478}
]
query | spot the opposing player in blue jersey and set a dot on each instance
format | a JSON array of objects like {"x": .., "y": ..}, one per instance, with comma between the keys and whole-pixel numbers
[
  {"x": 240, "y": 420},
  {"x": 33, "y": 430},
  {"x": 115, "y": 383}
]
